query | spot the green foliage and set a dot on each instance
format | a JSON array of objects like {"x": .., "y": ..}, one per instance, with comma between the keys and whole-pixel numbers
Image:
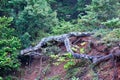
[
  {"x": 104, "y": 9},
  {"x": 69, "y": 64},
  {"x": 113, "y": 23},
  {"x": 68, "y": 58},
  {"x": 68, "y": 55},
  {"x": 3, "y": 8},
  {"x": 35, "y": 16},
  {"x": 82, "y": 50},
  {"x": 113, "y": 36},
  {"x": 76, "y": 48},
  {"x": 63, "y": 27},
  {"x": 25, "y": 39},
  {"x": 100, "y": 33},
  {"x": 100, "y": 11},
  {"x": 11, "y": 7},
  {"x": 1, "y": 78},
  {"x": 9, "y": 45},
  {"x": 36, "y": 19},
  {"x": 69, "y": 9},
  {"x": 84, "y": 25}
]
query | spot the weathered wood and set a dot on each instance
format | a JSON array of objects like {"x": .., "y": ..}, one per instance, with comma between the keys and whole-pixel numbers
[
  {"x": 107, "y": 57},
  {"x": 59, "y": 38},
  {"x": 65, "y": 39},
  {"x": 77, "y": 55}
]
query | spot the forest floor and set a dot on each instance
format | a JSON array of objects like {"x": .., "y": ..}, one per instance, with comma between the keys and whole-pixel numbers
[{"x": 44, "y": 69}]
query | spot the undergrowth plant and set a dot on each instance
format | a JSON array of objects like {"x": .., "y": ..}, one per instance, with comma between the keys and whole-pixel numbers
[
  {"x": 113, "y": 36},
  {"x": 67, "y": 58},
  {"x": 9, "y": 46},
  {"x": 51, "y": 50},
  {"x": 113, "y": 23}
]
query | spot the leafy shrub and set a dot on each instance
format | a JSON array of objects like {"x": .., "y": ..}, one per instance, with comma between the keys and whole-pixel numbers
[
  {"x": 113, "y": 23},
  {"x": 9, "y": 44},
  {"x": 68, "y": 58},
  {"x": 100, "y": 11},
  {"x": 64, "y": 27},
  {"x": 69, "y": 64},
  {"x": 84, "y": 25},
  {"x": 25, "y": 40},
  {"x": 113, "y": 36},
  {"x": 37, "y": 17},
  {"x": 101, "y": 33}
]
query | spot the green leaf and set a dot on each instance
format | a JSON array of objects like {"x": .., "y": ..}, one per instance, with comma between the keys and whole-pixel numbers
[{"x": 82, "y": 50}]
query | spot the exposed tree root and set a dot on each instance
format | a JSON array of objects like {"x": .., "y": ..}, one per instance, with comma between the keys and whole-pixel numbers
[
  {"x": 65, "y": 39},
  {"x": 59, "y": 38}
]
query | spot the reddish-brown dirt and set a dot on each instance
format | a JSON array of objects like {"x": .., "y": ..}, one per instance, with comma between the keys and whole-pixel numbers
[
  {"x": 41, "y": 70},
  {"x": 108, "y": 70}
]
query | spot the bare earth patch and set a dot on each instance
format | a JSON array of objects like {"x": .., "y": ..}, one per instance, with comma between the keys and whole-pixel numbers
[{"x": 107, "y": 70}]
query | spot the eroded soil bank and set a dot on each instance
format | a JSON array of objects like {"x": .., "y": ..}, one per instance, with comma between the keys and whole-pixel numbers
[{"x": 42, "y": 68}]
